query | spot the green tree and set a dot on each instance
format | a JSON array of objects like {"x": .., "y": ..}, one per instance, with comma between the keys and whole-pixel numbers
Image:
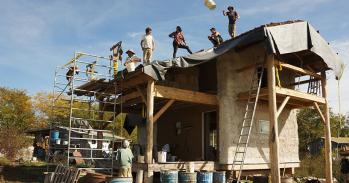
[
  {"x": 16, "y": 116},
  {"x": 311, "y": 127}
]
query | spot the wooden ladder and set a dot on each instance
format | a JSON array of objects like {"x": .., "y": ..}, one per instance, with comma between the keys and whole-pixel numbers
[{"x": 247, "y": 123}]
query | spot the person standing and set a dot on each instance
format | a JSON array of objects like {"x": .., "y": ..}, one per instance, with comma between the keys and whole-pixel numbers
[
  {"x": 131, "y": 60},
  {"x": 148, "y": 46},
  {"x": 124, "y": 160},
  {"x": 215, "y": 37},
  {"x": 179, "y": 41},
  {"x": 232, "y": 16}
]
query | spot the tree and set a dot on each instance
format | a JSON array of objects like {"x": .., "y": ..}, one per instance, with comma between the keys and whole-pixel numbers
[
  {"x": 310, "y": 127},
  {"x": 16, "y": 116}
]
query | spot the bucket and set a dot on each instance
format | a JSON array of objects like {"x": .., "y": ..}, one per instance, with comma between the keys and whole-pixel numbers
[
  {"x": 184, "y": 177},
  {"x": 204, "y": 177},
  {"x": 219, "y": 177},
  {"x": 58, "y": 141},
  {"x": 121, "y": 180},
  {"x": 162, "y": 156},
  {"x": 169, "y": 176},
  {"x": 54, "y": 135}
]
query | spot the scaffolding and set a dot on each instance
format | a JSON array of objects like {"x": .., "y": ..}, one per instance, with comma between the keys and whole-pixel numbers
[{"x": 84, "y": 105}]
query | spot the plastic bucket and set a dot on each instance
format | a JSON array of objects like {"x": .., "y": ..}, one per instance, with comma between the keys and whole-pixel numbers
[
  {"x": 54, "y": 135},
  {"x": 186, "y": 177},
  {"x": 204, "y": 177},
  {"x": 219, "y": 177},
  {"x": 169, "y": 176}
]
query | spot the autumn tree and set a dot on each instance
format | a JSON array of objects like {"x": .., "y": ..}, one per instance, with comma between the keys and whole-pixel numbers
[{"x": 16, "y": 116}]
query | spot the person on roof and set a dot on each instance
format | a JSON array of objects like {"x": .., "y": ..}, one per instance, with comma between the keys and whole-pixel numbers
[
  {"x": 124, "y": 159},
  {"x": 179, "y": 41},
  {"x": 215, "y": 37},
  {"x": 232, "y": 16},
  {"x": 131, "y": 60},
  {"x": 148, "y": 46}
]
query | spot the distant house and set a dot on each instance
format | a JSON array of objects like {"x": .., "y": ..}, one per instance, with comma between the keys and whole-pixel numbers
[{"x": 340, "y": 143}]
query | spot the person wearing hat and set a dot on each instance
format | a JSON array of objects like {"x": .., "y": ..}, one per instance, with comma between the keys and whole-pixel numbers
[
  {"x": 131, "y": 60},
  {"x": 179, "y": 41},
  {"x": 124, "y": 159},
  {"x": 148, "y": 46},
  {"x": 215, "y": 37},
  {"x": 232, "y": 16}
]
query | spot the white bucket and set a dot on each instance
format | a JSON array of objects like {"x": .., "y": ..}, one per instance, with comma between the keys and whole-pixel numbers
[
  {"x": 65, "y": 142},
  {"x": 58, "y": 141},
  {"x": 161, "y": 156}
]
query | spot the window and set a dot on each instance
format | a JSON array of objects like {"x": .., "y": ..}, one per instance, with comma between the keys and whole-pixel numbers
[{"x": 263, "y": 127}]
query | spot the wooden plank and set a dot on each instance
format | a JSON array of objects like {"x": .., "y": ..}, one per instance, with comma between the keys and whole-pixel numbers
[
  {"x": 320, "y": 112},
  {"x": 328, "y": 148},
  {"x": 163, "y": 109},
  {"x": 299, "y": 95},
  {"x": 282, "y": 106},
  {"x": 127, "y": 97},
  {"x": 274, "y": 128},
  {"x": 299, "y": 70},
  {"x": 150, "y": 129},
  {"x": 185, "y": 95}
]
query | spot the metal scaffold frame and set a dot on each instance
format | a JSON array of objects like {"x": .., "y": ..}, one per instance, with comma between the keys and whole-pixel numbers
[{"x": 88, "y": 110}]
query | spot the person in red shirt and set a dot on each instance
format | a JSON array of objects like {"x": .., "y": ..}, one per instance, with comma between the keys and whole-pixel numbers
[{"x": 179, "y": 41}]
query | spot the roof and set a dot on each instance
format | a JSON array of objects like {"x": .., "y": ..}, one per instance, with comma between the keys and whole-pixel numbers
[
  {"x": 339, "y": 140},
  {"x": 282, "y": 39}
]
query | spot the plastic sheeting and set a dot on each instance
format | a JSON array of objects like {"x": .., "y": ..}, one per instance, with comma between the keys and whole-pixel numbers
[{"x": 282, "y": 38}]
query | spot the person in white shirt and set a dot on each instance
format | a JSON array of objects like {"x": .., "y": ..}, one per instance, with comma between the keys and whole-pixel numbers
[
  {"x": 148, "y": 46},
  {"x": 131, "y": 61}
]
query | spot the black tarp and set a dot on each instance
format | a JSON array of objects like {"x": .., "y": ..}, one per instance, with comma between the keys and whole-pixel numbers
[{"x": 280, "y": 39}]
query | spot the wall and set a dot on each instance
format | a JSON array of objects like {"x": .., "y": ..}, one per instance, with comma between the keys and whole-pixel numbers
[
  {"x": 188, "y": 144},
  {"x": 231, "y": 112}
]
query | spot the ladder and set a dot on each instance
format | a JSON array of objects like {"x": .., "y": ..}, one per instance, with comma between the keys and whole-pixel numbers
[{"x": 241, "y": 147}]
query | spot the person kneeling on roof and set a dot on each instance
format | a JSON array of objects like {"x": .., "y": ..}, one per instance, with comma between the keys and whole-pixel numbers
[
  {"x": 124, "y": 159},
  {"x": 215, "y": 37},
  {"x": 131, "y": 61}
]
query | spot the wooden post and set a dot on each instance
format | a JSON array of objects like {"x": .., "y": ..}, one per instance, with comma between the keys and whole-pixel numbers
[
  {"x": 274, "y": 129},
  {"x": 328, "y": 148},
  {"x": 149, "y": 127}
]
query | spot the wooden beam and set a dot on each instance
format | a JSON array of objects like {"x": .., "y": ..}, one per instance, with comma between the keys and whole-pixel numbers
[
  {"x": 163, "y": 109},
  {"x": 127, "y": 97},
  {"x": 282, "y": 106},
  {"x": 149, "y": 128},
  {"x": 299, "y": 95},
  {"x": 299, "y": 70},
  {"x": 185, "y": 95},
  {"x": 320, "y": 112},
  {"x": 141, "y": 94},
  {"x": 328, "y": 148},
  {"x": 274, "y": 128}
]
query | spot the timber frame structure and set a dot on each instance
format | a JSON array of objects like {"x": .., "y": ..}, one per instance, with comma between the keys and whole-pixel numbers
[{"x": 161, "y": 92}]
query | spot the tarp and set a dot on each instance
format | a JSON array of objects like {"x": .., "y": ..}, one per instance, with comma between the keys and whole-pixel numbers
[{"x": 282, "y": 38}]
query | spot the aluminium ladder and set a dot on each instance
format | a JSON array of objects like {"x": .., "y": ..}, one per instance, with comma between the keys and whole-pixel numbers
[{"x": 241, "y": 147}]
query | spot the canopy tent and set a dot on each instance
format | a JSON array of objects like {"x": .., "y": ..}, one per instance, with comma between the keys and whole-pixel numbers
[{"x": 279, "y": 38}]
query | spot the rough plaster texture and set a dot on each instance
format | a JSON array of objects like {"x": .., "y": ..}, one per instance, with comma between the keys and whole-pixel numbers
[{"x": 231, "y": 112}]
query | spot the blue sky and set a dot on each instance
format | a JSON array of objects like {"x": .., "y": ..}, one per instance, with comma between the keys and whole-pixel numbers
[{"x": 37, "y": 35}]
